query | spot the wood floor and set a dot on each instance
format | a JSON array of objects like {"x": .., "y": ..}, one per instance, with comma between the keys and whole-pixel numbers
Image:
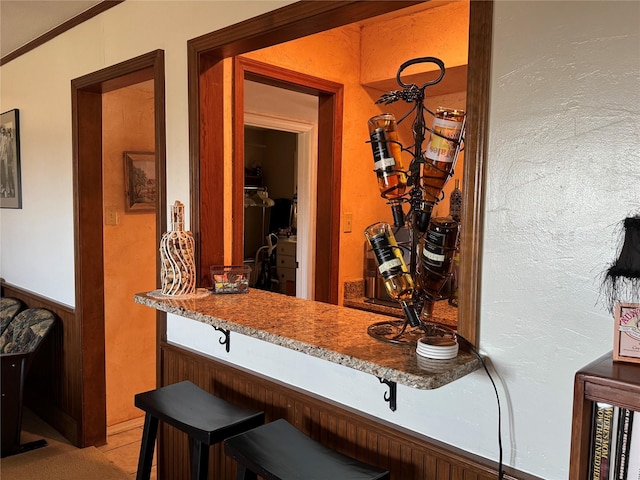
[{"x": 123, "y": 446}]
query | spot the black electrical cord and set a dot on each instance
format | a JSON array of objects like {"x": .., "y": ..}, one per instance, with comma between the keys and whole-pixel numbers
[{"x": 495, "y": 389}]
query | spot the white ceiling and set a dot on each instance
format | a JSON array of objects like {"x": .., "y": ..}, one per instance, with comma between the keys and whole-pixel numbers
[{"x": 24, "y": 20}]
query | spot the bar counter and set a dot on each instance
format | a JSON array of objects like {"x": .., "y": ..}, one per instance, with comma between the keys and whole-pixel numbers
[{"x": 329, "y": 332}]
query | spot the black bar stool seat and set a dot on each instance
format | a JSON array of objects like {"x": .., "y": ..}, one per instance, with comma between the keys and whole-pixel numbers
[
  {"x": 205, "y": 418},
  {"x": 279, "y": 451}
]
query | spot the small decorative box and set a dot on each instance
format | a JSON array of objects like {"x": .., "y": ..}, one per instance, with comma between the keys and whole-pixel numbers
[
  {"x": 230, "y": 278},
  {"x": 627, "y": 333}
]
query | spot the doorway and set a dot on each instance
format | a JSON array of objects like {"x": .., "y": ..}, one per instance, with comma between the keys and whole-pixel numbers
[
  {"x": 275, "y": 118},
  {"x": 129, "y": 252},
  {"x": 90, "y": 216},
  {"x": 319, "y": 178}
]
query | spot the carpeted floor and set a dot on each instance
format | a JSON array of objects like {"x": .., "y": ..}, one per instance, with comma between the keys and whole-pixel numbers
[{"x": 59, "y": 460}]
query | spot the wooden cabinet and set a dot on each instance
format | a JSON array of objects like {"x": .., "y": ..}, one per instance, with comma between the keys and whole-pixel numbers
[
  {"x": 286, "y": 265},
  {"x": 603, "y": 380}
]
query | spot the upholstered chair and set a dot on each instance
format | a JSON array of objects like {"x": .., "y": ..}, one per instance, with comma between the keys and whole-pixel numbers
[
  {"x": 9, "y": 308},
  {"x": 18, "y": 345}
]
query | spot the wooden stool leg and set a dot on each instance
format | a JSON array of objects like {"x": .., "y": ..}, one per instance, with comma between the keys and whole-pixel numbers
[
  {"x": 147, "y": 446},
  {"x": 199, "y": 460}
]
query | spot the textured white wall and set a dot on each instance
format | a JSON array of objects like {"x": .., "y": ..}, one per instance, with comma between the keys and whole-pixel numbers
[
  {"x": 563, "y": 170},
  {"x": 37, "y": 241}
]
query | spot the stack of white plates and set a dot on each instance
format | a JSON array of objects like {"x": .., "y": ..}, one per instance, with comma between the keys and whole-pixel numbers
[{"x": 438, "y": 348}]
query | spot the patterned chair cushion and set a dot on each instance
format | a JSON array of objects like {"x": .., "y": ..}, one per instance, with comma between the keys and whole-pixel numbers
[
  {"x": 26, "y": 331},
  {"x": 9, "y": 308}
]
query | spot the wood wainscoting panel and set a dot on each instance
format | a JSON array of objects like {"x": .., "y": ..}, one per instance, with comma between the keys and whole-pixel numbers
[
  {"x": 53, "y": 387},
  {"x": 406, "y": 454}
]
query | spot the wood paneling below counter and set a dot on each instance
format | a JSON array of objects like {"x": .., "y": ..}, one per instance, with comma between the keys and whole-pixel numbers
[
  {"x": 408, "y": 455},
  {"x": 53, "y": 388}
]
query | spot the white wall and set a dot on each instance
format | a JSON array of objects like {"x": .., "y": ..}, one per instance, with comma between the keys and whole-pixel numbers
[
  {"x": 39, "y": 85},
  {"x": 563, "y": 170}
]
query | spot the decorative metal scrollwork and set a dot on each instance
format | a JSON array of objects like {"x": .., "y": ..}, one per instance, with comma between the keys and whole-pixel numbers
[
  {"x": 390, "y": 396},
  {"x": 226, "y": 340}
]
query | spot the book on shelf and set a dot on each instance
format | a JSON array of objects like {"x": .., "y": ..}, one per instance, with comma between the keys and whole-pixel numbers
[
  {"x": 601, "y": 438},
  {"x": 633, "y": 457},
  {"x": 623, "y": 444},
  {"x": 615, "y": 443}
]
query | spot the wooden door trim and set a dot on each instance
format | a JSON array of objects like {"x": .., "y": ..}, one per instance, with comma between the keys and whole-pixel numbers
[
  {"x": 86, "y": 104},
  {"x": 476, "y": 138},
  {"x": 330, "y": 122}
]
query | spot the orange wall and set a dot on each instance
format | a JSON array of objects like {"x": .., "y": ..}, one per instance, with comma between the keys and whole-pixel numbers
[
  {"x": 440, "y": 32},
  {"x": 129, "y": 255},
  {"x": 338, "y": 56}
]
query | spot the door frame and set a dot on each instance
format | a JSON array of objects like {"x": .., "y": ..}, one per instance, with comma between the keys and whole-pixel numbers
[
  {"x": 327, "y": 173},
  {"x": 86, "y": 105}
]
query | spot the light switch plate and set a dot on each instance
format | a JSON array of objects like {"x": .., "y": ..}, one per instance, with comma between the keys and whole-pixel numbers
[
  {"x": 348, "y": 222},
  {"x": 111, "y": 216}
]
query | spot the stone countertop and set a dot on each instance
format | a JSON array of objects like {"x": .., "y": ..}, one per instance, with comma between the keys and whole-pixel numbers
[{"x": 330, "y": 332}]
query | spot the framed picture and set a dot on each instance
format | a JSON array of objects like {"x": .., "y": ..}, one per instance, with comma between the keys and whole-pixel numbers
[
  {"x": 140, "y": 182},
  {"x": 627, "y": 333},
  {"x": 10, "y": 186}
]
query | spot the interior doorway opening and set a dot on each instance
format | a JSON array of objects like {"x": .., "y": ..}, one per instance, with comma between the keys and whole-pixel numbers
[
  {"x": 284, "y": 154},
  {"x": 270, "y": 186},
  {"x": 129, "y": 249},
  {"x": 89, "y": 225}
]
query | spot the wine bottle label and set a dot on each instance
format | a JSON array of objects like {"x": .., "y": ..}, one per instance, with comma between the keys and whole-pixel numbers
[
  {"x": 388, "y": 265},
  {"x": 436, "y": 238},
  {"x": 434, "y": 257},
  {"x": 440, "y": 149},
  {"x": 384, "y": 163},
  {"x": 433, "y": 253},
  {"x": 447, "y": 126}
]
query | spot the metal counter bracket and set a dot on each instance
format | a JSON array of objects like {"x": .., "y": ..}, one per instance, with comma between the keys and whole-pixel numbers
[
  {"x": 227, "y": 337},
  {"x": 391, "y": 395}
]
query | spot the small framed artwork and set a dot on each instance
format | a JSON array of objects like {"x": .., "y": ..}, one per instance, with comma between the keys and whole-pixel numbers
[
  {"x": 140, "y": 182},
  {"x": 627, "y": 333},
  {"x": 10, "y": 182}
]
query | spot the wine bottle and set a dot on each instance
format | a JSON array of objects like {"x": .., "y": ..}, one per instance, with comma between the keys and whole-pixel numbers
[
  {"x": 392, "y": 267},
  {"x": 388, "y": 164},
  {"x": 441, "y": 151},
  {"x": 455, "y": 202},
  {"x": 437, "y": 247}
]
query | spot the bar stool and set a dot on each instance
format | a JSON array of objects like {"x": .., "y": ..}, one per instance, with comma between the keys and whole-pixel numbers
[
  {"x": 279, "y": 451},
  {"x": 205, "y": 418}
]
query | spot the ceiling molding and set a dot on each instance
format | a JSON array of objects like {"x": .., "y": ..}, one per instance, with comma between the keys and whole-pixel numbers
[{"x": 67, "y": 25}]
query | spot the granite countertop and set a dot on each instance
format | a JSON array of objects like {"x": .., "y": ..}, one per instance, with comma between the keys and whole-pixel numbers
[{"x": 330, "y": 332}]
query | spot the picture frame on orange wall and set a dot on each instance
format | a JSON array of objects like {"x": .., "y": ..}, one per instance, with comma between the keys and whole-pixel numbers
[
  {"x": 627, "y": 333},
  {"x": 140, "y": 182},
  {"x": 10, "y": 180}
]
